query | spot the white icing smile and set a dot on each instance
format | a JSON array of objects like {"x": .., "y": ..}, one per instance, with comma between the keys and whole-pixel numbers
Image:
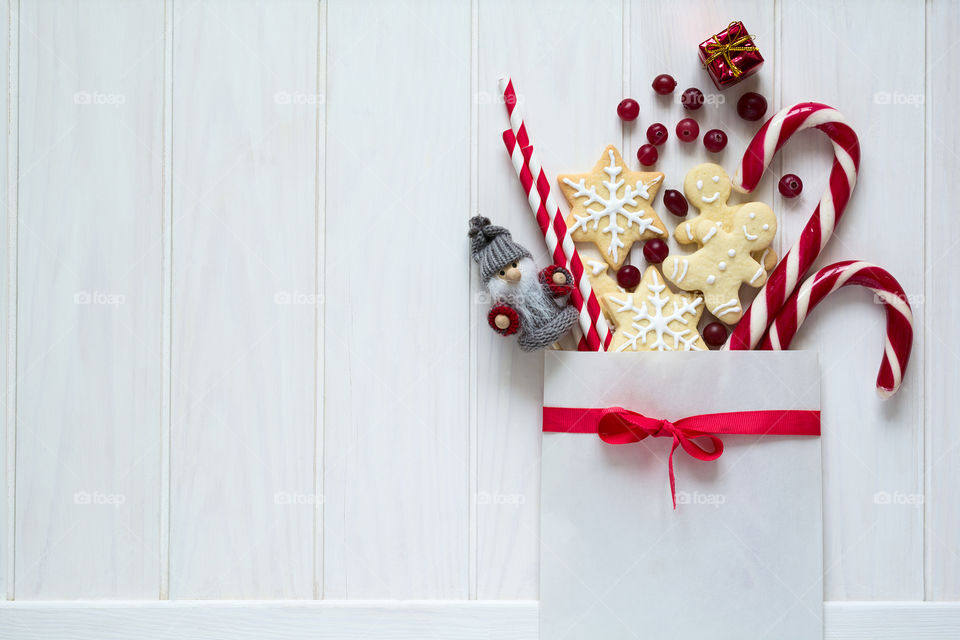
[{"x": 711, "y": 199}]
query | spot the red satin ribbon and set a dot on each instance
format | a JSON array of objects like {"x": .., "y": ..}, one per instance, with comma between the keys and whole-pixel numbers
[{"x": 616, "y": 425}]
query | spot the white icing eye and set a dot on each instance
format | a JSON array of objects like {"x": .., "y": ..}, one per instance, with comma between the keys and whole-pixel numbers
[
  {"x": 716, "y": 179},
  {"x": 722, "y": 266},
  {"x": 732, "y": 252},
  {"x": 752, "y": 215},
  {"x": 711, "y": 279},
  {"x": 699, "y": 184},
  {"x": 765, "y": 227}
]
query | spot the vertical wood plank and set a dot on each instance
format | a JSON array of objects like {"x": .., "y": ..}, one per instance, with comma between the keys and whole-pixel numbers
[
  {"x": 321, "y": 241},
  {"x": 673, "y": 50},
  {"x": 89, "y": 268},
  {"x": 244, "y": 298},
  {"x": 8, "y": 196},
  {"x": 473, "y": 326},
  {"x": 873, "y": 449},
  {"x": 942, "y": 539},
  {"x": 565, "y": 58},
  {"x": 166, "y": 286},
  {"x": 396, "y": 425}
]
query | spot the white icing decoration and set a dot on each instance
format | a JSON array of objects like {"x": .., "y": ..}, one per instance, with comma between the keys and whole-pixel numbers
[
  {"x": 722, "y": 266},
  {"x": 689, "y": 231},
  {"x": 746, "y": 234},
  {"x": 711, "y": 279},
  {"x": 732, "y": 253},
  {"x": 699, "y": 184},
  {"x": 716, "y": 179},
  {"x": 711, "y": 199},
  {"x": 759, "y": 272},
  {"x": 709, "y": 234},
  {"x": 686, "y": 265},
  {"x": 674, "y": 274},
  {"x": 752, "y": 215},
  {"x": 657, "y": 322},
  {"x": 597, "y": 266},
  {"x": 613, "y": 205},
  {"x": 765, "y": 227},
  {"x": 727, "y": 307}
]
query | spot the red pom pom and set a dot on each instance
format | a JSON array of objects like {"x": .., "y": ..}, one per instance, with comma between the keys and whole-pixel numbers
[
  {"x": 557, "y": 290},
  {"x": 511, "y": 313}
]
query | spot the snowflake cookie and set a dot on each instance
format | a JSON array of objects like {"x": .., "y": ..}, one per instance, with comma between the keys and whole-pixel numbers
[
  {"x": 707, "y": 187},
  {"x": 653, "y": 318},
  {"x": 610, "y": 206},
  {"x": 723, "y": 262}
]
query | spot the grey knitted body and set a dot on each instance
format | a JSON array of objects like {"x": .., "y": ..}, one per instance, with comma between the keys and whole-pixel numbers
[{"x": 535, "y": 338}]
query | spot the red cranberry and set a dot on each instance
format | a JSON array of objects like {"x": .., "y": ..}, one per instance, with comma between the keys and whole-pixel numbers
[
  {"x": 790, "y": 186},
  {"x": 714, "y": 334},
  {"x": 647, "y": 155},
  {"x": 664, "y": 84},
  {"x": 692, "y": 99},
  {"x": 628, "y": 277},
  {"x": 675, "y": 202},
  {"x": 655, "y": 251},
  {"x": 714, "y": 140},
  {"x": 628, "y": 110},
  {"x": 751, "y": 106},
  {"x": 688, "y": 130},
  {"x": 657, "y": 133}
]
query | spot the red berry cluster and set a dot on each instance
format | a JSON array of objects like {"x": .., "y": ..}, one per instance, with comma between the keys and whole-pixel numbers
[
  {"x": 751, "y": 107},
  {"x": 687, "y": 129}
]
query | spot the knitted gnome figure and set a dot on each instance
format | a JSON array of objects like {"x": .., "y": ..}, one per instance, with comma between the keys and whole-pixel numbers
[{"x": 524, "y": 300}]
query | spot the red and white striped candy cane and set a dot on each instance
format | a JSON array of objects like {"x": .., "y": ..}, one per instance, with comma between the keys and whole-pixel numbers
[
  {"x": 596, "y": 333},
  {"x": 896, "y": 351},
  {"x": 843, "y": 176}
]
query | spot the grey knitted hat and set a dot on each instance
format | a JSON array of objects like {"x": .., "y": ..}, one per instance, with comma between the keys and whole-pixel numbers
[{"x": 492, "y": 247}]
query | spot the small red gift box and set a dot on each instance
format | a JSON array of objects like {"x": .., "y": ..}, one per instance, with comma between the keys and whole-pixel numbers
[{"x": 730, "y": 56}]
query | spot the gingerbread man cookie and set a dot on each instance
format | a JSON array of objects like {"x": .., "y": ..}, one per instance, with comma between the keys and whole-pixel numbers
[
  {"x": 653, "y": 318},
  {"x": 723, "y": 262},
  {"x": 707, "y": 187},
  {"x": 610, "y": 206}
]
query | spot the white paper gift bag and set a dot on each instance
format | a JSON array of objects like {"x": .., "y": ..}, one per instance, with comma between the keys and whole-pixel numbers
[{"x": 740, "y": 556}]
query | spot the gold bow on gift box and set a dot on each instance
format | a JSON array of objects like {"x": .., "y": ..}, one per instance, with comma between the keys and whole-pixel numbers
[{"x": 717, "y": 49}]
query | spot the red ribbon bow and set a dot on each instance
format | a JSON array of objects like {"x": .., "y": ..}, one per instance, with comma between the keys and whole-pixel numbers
[
  {"x": 616, "y": 425},
  {"x": 620, "y": 426}
]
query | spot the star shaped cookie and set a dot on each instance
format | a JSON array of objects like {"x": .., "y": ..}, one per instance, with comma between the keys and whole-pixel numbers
[
  {"x": 653, "y": 318},
  {"x": 610, "y": 206}
]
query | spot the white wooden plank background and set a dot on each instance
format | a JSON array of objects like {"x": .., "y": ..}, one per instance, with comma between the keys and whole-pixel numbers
[
  {"x": 941, "y": 292},
  {"x": 396, "y": 431},
  {"x": 7, "y": 317},
  {"x": 243, "y": 308},
  {"x": 287, "y": 411},
  {"x": 88, "y": 303}
]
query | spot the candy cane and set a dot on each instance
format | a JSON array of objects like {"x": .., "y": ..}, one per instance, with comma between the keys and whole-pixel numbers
[
  {"x": 596, "y": 333},
  {"x": 843, "y": 176},
  {"x": 896, "y": 352}
]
